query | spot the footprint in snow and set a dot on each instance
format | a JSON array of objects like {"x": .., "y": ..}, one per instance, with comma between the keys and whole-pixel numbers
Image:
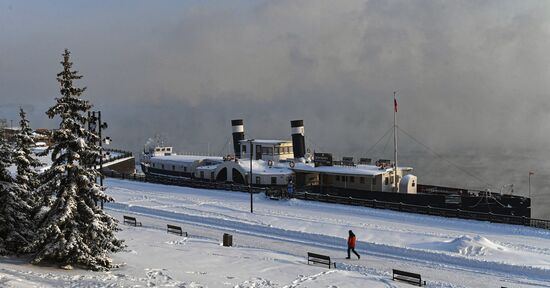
[{"x": 160, "y": 278}]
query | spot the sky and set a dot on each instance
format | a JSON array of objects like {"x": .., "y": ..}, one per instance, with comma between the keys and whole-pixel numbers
[{"x": 471, "y": 77}]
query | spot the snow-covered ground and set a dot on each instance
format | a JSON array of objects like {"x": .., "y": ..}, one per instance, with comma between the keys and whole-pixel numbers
[{"x": 271, "y": 244}]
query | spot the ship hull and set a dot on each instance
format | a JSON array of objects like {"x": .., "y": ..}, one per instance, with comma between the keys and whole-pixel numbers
[{"x": 496, "y": 204}]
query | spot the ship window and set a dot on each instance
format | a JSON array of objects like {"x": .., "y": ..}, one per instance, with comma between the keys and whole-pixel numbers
[
  {"x": 386, "y": 181},
  {"x": 337, "y": 178},
  {"x": 174, "y": 167},
  {"x": 277, "y": 151},
  {"x": 202, "y": 174},
  {"x": 267, "y": 150},
  {"x": 362, "y": 180},
  {"x": 352, "y": 179},
  {"x": 344, "y": 178},
  {"x": 162, "y": 166},
  {"x": 374, "y": 180},
  {"x": 244, "y": 149},
  {"x": 211, "y": 175},
  {"x": 413, "y": 183},
  {"x": 258, "y": 180},
  {"x": 184, "y": 169},
  {"x": 273, "y": 180},
  {"x": 153, "y": 164}
]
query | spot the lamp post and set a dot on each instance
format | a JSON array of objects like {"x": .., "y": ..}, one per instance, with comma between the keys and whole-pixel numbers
[
  {"x": 95, "y": 125},
  {"x": 250, "y": 173},
  {"x": 530, "y": 173}
]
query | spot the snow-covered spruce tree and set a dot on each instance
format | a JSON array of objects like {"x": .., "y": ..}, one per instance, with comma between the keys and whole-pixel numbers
[
  {"x": 5, "y": 158},
  {"x": 23, "y": 157},
  {"x": 14, "y": 221},
  {"x": 74, "y": 231}
]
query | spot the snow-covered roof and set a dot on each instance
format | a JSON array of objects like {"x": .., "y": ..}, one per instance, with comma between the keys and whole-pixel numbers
[
  {"x": 184, "y": 158},
  {"x": 266, "y": 141},
  {"x": 366, "y": 170}
]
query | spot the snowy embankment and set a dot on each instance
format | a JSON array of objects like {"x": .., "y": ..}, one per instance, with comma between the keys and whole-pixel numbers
[
  {"x": 271, "y": 245},
  {"x": 463, "y": 244},
  {"x": 454, "y": 252}
]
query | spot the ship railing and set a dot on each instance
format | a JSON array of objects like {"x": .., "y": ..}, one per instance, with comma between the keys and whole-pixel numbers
[
  {"x": 420, "y": 209},
  {"x": 187, "y": 182},
  {"x": 304, "y": 195}
]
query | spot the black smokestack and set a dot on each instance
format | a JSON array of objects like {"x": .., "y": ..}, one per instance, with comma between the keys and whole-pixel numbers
[
  {"x": 238, "y": 135},
  {"x": 298, "y": 140}
]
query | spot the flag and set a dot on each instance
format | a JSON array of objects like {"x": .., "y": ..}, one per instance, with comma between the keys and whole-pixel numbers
[
  {"x": 531, "y": 173},
  {"x": 395, "y": 104}
]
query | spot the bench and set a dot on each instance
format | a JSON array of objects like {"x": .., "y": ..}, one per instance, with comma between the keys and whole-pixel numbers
[
  {"x": 131, "y": 221},
  {"x": 321, "y": 259},
  {"x": 409, "y": 277},
  {"x": 175, "y": 230}
]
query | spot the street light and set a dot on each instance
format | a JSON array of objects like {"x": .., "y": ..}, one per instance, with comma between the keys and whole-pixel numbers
[
  {"x": 95, "y": 124},
  {"x": 250, "y": 182},
  {"x": 530, "y": 173}
]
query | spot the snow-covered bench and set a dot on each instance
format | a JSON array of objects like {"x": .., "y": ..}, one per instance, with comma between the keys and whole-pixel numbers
[
  {"x": 409, "y": 277},
  {"x": 131, "y": 221},
  {"x": 321, "y": 259},
  {"x": 175, "y": 230}
]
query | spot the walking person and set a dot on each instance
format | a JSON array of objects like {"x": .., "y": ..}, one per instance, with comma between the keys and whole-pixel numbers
[
  {"x": 351, "y": 245},
  {"x": 289, "y": 189}
]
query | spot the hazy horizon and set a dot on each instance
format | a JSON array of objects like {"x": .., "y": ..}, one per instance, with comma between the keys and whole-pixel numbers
[{"x": 472, "y": 77}]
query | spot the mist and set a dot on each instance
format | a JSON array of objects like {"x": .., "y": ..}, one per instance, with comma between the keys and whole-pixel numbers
[{"x": 472, "y": 77}]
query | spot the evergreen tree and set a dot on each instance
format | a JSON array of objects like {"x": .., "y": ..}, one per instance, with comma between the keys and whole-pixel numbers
[
  {"x": 14, "y": 220},
  {"x": 23, "y": 157},
  {"x": 5, "y": 159},
  {"x": 27, "y": 178},
  {"x": 74, "y": 231}
]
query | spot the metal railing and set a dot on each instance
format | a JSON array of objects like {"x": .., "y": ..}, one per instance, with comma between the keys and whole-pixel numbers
[
  {"x": 123, "y": 154},
  {"x": 187, "y": 182}
]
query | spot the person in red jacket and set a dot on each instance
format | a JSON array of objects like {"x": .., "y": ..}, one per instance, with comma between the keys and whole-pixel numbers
[{"x": 351, "y": 245}]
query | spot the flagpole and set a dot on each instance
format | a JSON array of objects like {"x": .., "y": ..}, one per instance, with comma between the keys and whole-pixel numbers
[{"x": 394, "y": 143}]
